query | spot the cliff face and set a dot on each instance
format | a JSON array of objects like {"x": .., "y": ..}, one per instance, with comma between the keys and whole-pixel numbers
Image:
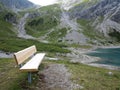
[
  {"x": 17, "y": 4},
  {"x": 104, "y": 16},
  {"x": 102, "y": 8}
]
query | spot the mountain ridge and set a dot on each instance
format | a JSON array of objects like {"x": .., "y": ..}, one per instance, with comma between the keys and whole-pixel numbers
[
  {"x": 88, "y": 22},
  {"x": 17, "y": 4},
  {"x": 104, "y": 16}
]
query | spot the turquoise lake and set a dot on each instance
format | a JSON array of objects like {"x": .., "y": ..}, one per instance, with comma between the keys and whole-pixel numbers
[{"x": 109, "y": 56}]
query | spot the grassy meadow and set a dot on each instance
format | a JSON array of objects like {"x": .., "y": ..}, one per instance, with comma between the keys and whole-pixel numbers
[{"x": 91, "y": 78}]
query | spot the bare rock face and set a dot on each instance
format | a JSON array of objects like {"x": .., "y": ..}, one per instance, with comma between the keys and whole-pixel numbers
[
  {"x": 104, "y": 14},
  {"x": 75, "y": 37},
  {"x": 102, "y": 8}
]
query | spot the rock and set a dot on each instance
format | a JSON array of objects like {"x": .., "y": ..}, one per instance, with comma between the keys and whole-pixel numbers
[
  {"x": 10, "y": 17},
  {"x": 110, "y": 73},
  {"x": 105, "y": 13}
]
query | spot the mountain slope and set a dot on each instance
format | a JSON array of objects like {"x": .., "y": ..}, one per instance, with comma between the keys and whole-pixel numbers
[
  {"x": 17, "y": 4},
  {"x": 84, "y": 22},
  {"x": 10, "y": 42},
  {"x": 102, "y": 8},
  {"x": 43, "y": 20},
  {"x": 7, "y": 17},
  {"x": 103, "y": 17}
]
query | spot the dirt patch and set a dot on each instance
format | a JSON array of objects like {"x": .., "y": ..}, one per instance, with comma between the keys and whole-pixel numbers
[{"x": 56, "y": 77}]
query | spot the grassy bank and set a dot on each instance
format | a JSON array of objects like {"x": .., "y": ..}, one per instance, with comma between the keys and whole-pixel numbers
[
  {"x": 91, "y": 78},
  {"x": 48, "y": 18},
  {"x": 10, "y": 78},
  {"x": 13, "y": 44}
]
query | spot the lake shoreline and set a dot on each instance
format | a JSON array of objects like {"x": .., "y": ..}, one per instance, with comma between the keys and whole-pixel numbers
[
  {"x": 82, "y": 57},
  {"x": 107, "y": 47},
  {"x": 111, "y": 67}
]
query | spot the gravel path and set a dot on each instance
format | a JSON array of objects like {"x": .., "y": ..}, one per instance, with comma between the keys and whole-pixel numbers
[{"x": 56, "y": 77}]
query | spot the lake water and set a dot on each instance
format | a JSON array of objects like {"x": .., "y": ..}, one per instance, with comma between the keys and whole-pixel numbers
[{"x": 109, "y": 56}]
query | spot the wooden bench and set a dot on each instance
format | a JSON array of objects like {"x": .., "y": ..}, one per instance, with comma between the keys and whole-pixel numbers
[{"x": 31, "y": 65}]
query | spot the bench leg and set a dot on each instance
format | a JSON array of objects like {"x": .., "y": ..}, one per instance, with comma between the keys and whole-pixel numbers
[
  {"x": 20, "y": 65},
  {"x": 29, "y": 77}
]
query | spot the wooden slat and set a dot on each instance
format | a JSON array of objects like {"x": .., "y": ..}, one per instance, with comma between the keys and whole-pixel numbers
[
  {"x": 33, "y": 64},
  {"x": 22, "y": 55}
]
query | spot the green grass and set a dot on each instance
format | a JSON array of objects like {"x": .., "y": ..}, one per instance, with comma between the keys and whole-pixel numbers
[
  {"x": 10, "y": 76},
  {"x": 48, "y": 19},
  {"x": 49, "y": 8},
  {"x": 85, "y": 4},
  {"x": 14, "y": 44},
  {"x": 89, "y": 30},
  {"x": 6, "y": 28},
  {"x": 57, "y": 34},
  {"x": 81, "y": 46},
  {"x": 9, "y": 42},
  {"x": 37, "y": 28},
  {"x": 12, "y": 79},
  {"x": 92, "y": 78},
  {"x": 97, "y": 37}
]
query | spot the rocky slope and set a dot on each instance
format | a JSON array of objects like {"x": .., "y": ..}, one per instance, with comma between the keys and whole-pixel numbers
[
  {"x": 17, "y": 4},
  {"x": 85, "y": 21},
  {"x": 74, "y": 21},
  {"x": 104, "y": 16}
]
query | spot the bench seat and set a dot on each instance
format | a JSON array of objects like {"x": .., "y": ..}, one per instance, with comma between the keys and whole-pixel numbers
[{"x": 33, "y": 64}]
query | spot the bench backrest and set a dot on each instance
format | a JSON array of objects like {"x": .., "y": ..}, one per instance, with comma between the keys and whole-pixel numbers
[{"x": 24, "y": 54}]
